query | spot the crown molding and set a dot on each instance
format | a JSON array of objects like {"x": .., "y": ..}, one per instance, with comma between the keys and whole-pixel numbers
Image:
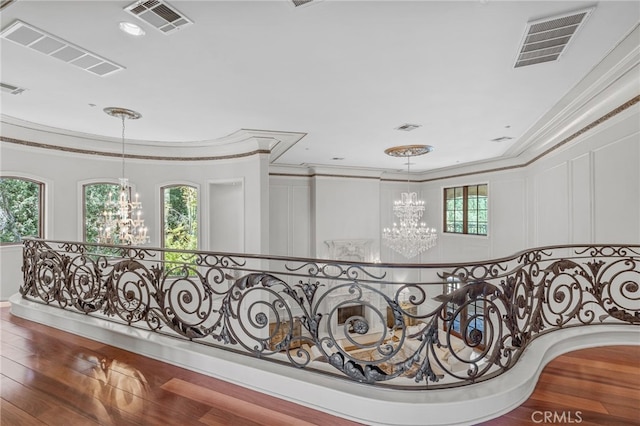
[
  {"x": 611, "y": 83},
  {"x": 242, "y": 143}
]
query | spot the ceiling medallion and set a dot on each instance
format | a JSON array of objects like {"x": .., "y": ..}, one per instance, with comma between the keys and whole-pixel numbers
[
  {"x": 408, "y": 150},
  {"x": 122, "y": 113},
  {"x": 410, "y": 237}
]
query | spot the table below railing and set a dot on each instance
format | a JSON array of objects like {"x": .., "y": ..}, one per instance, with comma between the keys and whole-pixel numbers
[{"x": 400, "y": 326}]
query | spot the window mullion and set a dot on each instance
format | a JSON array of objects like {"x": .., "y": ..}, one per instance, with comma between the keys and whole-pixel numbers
[{"x": 465, "y": 209}]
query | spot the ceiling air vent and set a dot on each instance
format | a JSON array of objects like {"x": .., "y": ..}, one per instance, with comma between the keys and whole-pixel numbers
[
  {"x": 297, "y": 3},
  {"x": 408, "y": 127},
  {"x": 10, "y": 88},
  {"x": 502, "y": 139},
  {"x": 159, "y": 15},
  {"x": 545, "y": 40},
  {"x": 40, "y": 41}
]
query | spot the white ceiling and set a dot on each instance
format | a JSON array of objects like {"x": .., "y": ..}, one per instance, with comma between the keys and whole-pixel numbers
[{"x": 346, "y": 73}]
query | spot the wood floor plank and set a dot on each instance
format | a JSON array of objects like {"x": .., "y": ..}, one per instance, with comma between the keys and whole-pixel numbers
[
  {"x": 41, "y": 406},
  {"x": 587, "y": 364},
  {"x": 579, "y": 384},
  {"x": 23, "y": 397},
  {"x": 625, "y": 411},
  {"x": 72, "y": 397},
  {"x": 249, "y": 411},
  {"x": 219, "y": 417},
  {"x": 571, "y": 401},
  {"x": 556, "y": 379},
  {"x": 12, "y": 415}
]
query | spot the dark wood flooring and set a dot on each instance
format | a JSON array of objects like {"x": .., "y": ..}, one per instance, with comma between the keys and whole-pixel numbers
[{"x": 49, "y": 377}]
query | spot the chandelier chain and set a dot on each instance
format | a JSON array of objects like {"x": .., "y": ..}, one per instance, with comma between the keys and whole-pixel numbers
[{"x": 122, "y": 118}]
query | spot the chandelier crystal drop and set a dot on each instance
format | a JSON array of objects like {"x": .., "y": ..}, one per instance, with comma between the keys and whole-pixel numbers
[
  {"x": 411, "y": 237},
  {"x": 121, "y": 220}
]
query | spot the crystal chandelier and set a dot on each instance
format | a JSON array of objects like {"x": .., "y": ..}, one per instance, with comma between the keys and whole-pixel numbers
[
  {"x": 121, "y": 221},
  {"x": 411, "y": 237}
]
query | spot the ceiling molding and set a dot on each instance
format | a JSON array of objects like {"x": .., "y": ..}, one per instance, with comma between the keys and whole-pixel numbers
[
  {"x": 450, "y": 173},
  {"x": 609, "y": 84},
  {"x": 333, "y": 172},
  {"x": 38, "y": 145},
  {"x": 346, "y": 93},
  {"x": 238, "y": 144},
  {"x": 560, "y": 144}
]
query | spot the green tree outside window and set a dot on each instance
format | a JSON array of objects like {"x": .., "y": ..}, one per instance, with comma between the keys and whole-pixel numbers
[
  {"x": 180, "y": 221},
  {"x": 20, "y": 209},
  {"x": 96, "y": 196},
  {"x": 465, "y": 209}
]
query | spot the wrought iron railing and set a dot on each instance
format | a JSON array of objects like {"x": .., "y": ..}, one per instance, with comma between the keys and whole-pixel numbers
[{"x": 404, "y": 326}]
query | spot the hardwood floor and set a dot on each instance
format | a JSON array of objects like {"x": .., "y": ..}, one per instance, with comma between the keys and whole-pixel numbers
[
  {"x": 56, "y": 378},
  {"x": 596, "y": 386}
]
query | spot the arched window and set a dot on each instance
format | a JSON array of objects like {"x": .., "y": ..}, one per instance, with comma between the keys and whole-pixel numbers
[
  {"x": 179, "y": 218},
  {"x": 21, "y": 209},
  {"x": 95, "y": 196}
]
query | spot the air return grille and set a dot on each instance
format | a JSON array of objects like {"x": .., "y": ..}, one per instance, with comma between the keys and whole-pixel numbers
[
  {"x": 408, "y": 127},
  {"x": 10, "y": 88},
  {"x": 159, "y": 15},
  {"x": 545, "y": 40},
  {"x": 38, "y": 40}
]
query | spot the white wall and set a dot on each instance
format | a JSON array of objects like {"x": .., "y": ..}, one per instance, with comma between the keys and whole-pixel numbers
[
  {"x": 358, "y": 208},
  {"x": 344, "y": 208},
  {"x": 290, "y": 216},
  {"x": 64, "y": 173},
  {"x": 506, "y": 218},
  {"x": 587, "y": 191},
  {"x": 226, "y": 216}
]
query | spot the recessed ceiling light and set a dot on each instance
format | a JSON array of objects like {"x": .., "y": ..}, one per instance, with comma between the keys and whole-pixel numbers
[{"x": 133, "y": 29}]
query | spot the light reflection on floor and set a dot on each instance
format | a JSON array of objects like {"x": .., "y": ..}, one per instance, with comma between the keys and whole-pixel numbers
[{"x": 117, "y": 390}]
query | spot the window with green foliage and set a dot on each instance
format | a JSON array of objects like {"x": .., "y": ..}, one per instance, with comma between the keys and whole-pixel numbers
[
  {"x": 21, "y": 209},
  {"x": 95, "y": 197},
  {"x": 180, "y": 220},
  {"x": 465, "y": 209}
]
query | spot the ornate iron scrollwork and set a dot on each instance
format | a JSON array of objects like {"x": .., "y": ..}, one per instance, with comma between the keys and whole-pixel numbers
[{"x": 345, "y": 318}]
